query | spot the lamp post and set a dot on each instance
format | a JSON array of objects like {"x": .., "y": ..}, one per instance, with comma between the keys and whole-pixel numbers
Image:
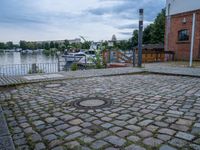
[{"x": 140, "y": 34}]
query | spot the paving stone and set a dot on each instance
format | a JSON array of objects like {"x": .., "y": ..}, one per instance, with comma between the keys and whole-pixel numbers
[
  {"x": 184, "y": 122},
  {"x": 175, "y": 112},
  {"x": 106, "y": 118},
  {"x": 177, "y": 142},
  {"x": 73, "y": 145},
  {"x": 144, "y": 134},
  {"x": 21, "y": 141},
  {"x": 116, "y": 141},
  {"x": 51, "y": 119},
  {"x": 3, "y": 126},
  {"x": 40, "y": 146},
  {"x": 185, "y": 136},
  {"x": 87, "y": 139},
  {"x": 62, "y": 127},
  {"x": 111, "y": 148},
  {"x": 124, "y": 133},
  {"x": 167, "y": 147},
  {"x": 179, "y": 127},
  {"x": 6, "y": 143},
  {"x": 133, "y": 120},
  {"x": 124, "y": 117},
  {"x": 115, "y": 129},
  {"x": 73, "y": 136},
  {"x": 167, "y": 131},
  {"x": 50, "y": 137},
  {"x": 152, "y": 142},
  {"x": 39, "y": 122},
  {"x": 195, "y": 146},
  {"x": 35, "y": 138},
  {"x": 99, "y": 144},
  {"x": 58, "y": 148},
  {"x": 119, "y": 123},
  {"x": 76, "y": 122},
  {"x": 133, "y": 128},
  {"x": 48, "y": 131},
  {"x": 102, "y": 134},
  {"x": 55, "y": 143},
  {"x": 134, "y": 147},
  {"x": 73, "y": 129},
  {"x": 164, "y": 137},
  {"x": 107, "y": 125},
  {"x": 197, "y": 125},
  {"x": 134, "y": 138},
  {"x": 145, "y": 122},
  {"x": 67, "y": 117}
]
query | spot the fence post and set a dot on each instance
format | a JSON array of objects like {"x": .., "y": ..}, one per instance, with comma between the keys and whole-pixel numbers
[{"x": 34, "y": 68}]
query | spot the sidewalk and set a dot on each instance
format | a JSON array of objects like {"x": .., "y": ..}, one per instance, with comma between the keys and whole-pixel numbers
[{"x": 155, "y": 68}]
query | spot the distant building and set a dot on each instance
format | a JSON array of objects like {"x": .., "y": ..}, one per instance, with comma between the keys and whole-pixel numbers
[
  {"x": 114, "y": 38},
  {"x": 179, "y": 14},
  {"x": 76, "y": 40}
]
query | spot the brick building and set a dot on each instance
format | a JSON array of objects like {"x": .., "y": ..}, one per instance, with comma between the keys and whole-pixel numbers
[{"x": 179, "y": 21}]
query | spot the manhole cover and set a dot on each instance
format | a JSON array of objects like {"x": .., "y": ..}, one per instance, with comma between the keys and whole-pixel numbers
[
  {"x": 53, "y": 85},
  {"x": 92, "y": 103}
]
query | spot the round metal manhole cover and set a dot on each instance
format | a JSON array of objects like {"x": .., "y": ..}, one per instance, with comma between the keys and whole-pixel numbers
[
  {"x": 92, "y": 103},
  {"x": 55, "y": 85}
]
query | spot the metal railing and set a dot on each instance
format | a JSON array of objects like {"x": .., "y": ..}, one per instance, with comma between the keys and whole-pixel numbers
[{"x": 25, "y": 69}]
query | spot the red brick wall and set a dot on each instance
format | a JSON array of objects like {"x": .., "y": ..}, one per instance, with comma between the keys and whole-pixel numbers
[{"x": 182, "y": 49}]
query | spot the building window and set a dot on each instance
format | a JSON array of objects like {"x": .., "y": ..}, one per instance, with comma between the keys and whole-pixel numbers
[{"x": 183, "y": 35}]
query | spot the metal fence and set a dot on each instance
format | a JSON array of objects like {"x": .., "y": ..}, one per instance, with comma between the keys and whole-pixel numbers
[{"x": 25, "y": 69}]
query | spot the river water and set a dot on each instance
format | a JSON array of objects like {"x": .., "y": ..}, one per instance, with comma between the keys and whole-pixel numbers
[
  {"x": 17, "y": 63},
  {"x": 10, "y": 58}
]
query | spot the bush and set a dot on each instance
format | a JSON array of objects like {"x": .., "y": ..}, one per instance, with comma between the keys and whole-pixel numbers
[{"x": 74, "y": 67}]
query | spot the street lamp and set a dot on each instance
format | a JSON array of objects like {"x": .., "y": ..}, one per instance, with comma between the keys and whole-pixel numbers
[{"x": 140, "y": 34}]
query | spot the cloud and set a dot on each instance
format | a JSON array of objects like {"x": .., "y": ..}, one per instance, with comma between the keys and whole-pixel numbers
[{"x": 61, "y": 19}]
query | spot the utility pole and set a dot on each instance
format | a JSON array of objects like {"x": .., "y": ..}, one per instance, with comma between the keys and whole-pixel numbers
[
  {"x": 140, "y": 34},
  {"x": 192, "y": 39}
]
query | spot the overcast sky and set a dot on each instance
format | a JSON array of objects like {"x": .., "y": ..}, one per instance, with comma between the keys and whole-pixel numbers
[{"x": 32, "y": 20}]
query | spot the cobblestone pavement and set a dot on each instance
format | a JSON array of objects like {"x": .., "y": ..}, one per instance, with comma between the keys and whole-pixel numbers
[
  {"x": 166, "y": 68},
  {"x": 133, "y": 112}
]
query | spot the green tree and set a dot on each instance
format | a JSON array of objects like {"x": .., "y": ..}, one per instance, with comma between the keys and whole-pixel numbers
[
  {"x": 56, "y": 45},
  {"x": 47, "y": 47},
  {"x": 9, "y": 45},
  {"x": 52, "y": 45},
  {"x": 147, "y": 34},
  {"x": 23, "y": 45},
  {"x": 135, "y": 38},
  {"x": 158, "y": 31},
  {"x": 66, "y": 43},
  {"x": 2, "y": 45}
]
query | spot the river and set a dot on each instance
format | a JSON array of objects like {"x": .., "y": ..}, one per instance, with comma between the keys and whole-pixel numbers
[
  {"x": 10, "y": 58},
  {"x": 17, "y": 63}
]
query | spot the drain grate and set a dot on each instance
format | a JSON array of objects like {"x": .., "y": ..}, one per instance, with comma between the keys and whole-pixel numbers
[{"x": 92, "y": 103}]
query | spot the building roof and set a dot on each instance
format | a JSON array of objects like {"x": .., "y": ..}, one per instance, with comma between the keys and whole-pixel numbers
[
  {"x": 151, "y": 46},
  {"x": 174, "y": 7}
]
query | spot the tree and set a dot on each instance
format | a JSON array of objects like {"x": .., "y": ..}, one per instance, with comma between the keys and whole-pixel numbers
[
  {"x": 46, "y": 46},
  {"x": 135, "y": 37},
  {"x": 147, "y": 34},
  {"x": 66, "y": 43},
  {"x": 158, "y": 31},
  {"x": 62, "y": 47},
  {"x": 2, "y": 45},
  {"x": 23, "y": 45},
  {"x": 52, "y": 45},
  {"x": 9, "y": 45},
  {"x": 56, "y": 45}
]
